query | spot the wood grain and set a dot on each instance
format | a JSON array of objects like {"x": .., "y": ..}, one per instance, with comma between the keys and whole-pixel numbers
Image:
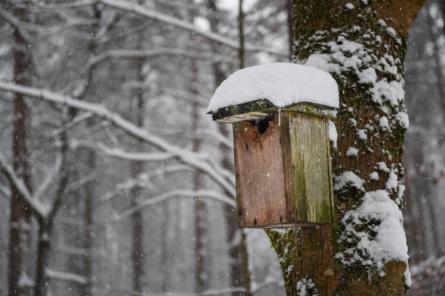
[
  {"x": 311, "y": 169},
  {"x": 259, "y": 169}
]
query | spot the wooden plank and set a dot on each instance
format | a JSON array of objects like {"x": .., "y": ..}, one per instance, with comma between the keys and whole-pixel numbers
[
  {"x": 311, "y": 168},
  {"x": 259, "y": 169},
  {"x": 287, "y": 161}
]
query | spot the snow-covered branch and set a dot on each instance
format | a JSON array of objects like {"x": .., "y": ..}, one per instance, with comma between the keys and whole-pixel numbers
[
  {"x": 190, "y": 158},
  {"x": 39, "y": 209},
  {"x": 143, "y": 180},
  {"x": 175, "y": 194},
  {"x": 65, "y": 276},
  {"x": 16, "y": 23},
  {"x": 24, "y": 27},
  {"x": 50, "y": 177},
  {"x": 138, "y": 54},
  {"x": 72, "y": 123},
  {"x": 178, "y": 23},
  {"x": 134, "y": 156},
  {"x": 71, "y": 4}
]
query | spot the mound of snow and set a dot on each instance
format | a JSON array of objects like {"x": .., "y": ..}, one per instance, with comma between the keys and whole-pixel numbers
[{"x": 283, "y": 84}]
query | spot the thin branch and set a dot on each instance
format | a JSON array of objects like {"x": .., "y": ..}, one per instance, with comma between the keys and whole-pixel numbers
[
  {"x": 73, "y": 186},
  {"x": 123, "y": 154},
  {"x": 16, "y": 23},
  {"x": 143, "y": 180},
  {"x": 39, "y": 209},
  {"x": 71, "y": 124},
  {"x": 172, "y": 21},
  {"x": 65, "y": 276},
  {"x": 190, "y": 158},
  {"x": 72, "y": 4},
  {"x": 174, "y": 194},
  {"x": 137, "y": 54},
  {"x": 52, "y": 174}
]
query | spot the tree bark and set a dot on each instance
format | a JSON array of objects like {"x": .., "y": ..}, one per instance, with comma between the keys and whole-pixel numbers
[
  {"x": 88, "y": 224},
  {"x": 89, "y": 159},
  {"x": 20, "y": 214},
  {"x": 201, "y": 212},
  {"x": 347, "y": 38},
  {"x": 43, "y": 249},
  {"x": 136, "y": 167}
]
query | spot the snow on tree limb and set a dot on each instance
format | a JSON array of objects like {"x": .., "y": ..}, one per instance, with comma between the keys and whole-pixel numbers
[
  {"x": 137, "y": 54},
  {"x": 176, "y": 193},
  {"x": 143, "y": 180},
  {"x": 71, "y": 124},
  {"x": 72, "y": 4},
  {"x": 139, "y": 156},
  {"x": 65, "y": 276},
  {"x": 122, "y": 154},
  {"x": 50, "y": 177},
  {"x": 172, "y": 21},
  {"x": 40, "y": 209},
  {"x": 16, "y": 23},
  {"x": 195, "y": 160}
]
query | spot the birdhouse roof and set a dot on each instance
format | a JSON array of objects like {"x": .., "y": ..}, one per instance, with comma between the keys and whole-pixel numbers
[{"x": 277, "y": 85}]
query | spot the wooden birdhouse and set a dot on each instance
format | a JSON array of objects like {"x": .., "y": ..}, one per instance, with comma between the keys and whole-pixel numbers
[{"x": 281, "y": 143}]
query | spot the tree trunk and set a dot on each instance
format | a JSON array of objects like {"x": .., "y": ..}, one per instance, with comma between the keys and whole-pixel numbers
[
  {"x": 363, "y": 46},
  {"x": 88, "y": 224},
  {"x": 88, "y": 157},
  {"x": 202, "y": 263},
  {"x": 238, "y": 263},
  {"x": 201, "y": 223},
  {"x": 136, "y": 167},
  {"x": 45, "y": 224},
  {"x": 43, "y": 248},
  {"x": 20, "y": 214}
]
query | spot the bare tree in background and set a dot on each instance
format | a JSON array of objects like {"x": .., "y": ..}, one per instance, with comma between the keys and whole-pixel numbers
[{"x": 20, "y": 214}]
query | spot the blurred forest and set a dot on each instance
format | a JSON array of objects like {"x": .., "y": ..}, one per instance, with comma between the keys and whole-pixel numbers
[{"x": 115, "y": 181}]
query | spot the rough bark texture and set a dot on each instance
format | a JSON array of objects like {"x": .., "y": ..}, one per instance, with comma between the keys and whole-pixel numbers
[
  {"x": 45, "y": 224},
  {"x": 136, "y": 168},
  {"x": 20, "y": 214},
  {"x": 89, "y": 157},
  {"x": 88, "y": 225},
  {"x": 347, "y": 38}
]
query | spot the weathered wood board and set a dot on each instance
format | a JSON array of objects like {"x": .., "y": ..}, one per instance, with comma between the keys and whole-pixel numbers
[
  {"x": 259, "y": 169},
  {"x": 311, "y": 168}
]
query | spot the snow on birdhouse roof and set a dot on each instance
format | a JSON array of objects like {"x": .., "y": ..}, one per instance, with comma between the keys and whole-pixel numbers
[{"x": 283, "y": 84}]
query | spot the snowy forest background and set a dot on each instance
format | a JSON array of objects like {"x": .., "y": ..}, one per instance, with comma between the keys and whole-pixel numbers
[{"x": 132, "y": 180}]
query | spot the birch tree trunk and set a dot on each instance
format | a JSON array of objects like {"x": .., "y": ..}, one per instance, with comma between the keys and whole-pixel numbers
[{"x": 362, "y": 43}]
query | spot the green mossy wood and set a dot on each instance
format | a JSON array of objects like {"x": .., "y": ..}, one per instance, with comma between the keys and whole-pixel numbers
[{"x": 282, "y": 163}]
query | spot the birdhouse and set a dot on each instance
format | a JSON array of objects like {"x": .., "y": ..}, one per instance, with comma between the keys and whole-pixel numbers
[{"x": 280, "y": 115}]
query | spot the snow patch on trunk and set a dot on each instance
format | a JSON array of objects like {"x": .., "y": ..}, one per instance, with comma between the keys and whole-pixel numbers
[{"x": 383, "y": 215}]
